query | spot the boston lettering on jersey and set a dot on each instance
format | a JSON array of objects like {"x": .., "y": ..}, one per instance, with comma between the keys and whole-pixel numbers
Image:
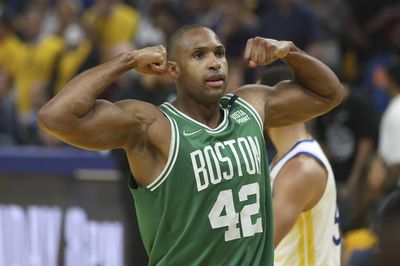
[{"x": 211, "y": 166}]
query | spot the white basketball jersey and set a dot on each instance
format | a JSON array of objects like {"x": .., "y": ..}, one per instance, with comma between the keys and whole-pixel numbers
[{"x": 315, "y": 238}]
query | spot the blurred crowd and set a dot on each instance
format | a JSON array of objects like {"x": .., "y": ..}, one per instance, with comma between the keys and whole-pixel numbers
[{"x": 44, "y": 43}]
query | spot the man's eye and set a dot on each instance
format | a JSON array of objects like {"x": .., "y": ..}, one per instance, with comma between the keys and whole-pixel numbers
[
  {"x": 220, "y": 53},
  {"x": 198, "y": 55}
]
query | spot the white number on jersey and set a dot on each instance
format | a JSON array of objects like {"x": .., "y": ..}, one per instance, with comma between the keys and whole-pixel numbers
[{"x": 230, "y": 218}]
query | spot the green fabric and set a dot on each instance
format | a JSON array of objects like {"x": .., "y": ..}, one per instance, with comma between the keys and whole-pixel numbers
[{"x": 212, "y": 203}]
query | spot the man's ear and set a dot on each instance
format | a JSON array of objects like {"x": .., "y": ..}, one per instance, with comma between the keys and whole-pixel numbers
[{"x": 173, "y": 69}]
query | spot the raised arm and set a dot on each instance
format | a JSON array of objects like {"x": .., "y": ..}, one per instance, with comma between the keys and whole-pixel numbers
[
  {"x": 315, "y": 89},
  {"x": 77, "y": 117}
]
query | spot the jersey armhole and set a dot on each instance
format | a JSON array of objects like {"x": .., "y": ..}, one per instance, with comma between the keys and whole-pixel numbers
[
  {"x": 312, "y": 156},
  {"x": 172, "y": 155},
  {"x": 308, "y": 154}
]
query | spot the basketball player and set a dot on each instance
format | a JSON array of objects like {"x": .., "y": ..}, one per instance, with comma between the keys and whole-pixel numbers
[
  {"x": 200, "y": 179},
  {"x": 306, "y": 219}
]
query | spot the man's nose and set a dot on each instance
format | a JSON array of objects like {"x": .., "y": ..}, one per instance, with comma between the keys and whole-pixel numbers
[{"x": 214, "y": 63}]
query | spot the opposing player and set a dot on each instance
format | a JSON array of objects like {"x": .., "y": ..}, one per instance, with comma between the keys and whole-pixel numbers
[
  {"x": 306, "y": 218},
  {"x": 200, "y": 179}
]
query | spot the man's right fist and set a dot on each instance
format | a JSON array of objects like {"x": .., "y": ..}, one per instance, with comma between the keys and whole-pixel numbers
[{"x": 149, "y": 60}]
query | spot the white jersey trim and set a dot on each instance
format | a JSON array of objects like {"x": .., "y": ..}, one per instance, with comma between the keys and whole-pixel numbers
[
  {"x": 221, "y": 127},
  {"x": 172, "y": 155}
]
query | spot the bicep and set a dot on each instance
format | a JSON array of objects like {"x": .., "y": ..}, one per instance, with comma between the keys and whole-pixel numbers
[
  {"x": 111, "y": 125},
  {"x": 290, "y": 103},
  {"x": 286, "y": 103}
]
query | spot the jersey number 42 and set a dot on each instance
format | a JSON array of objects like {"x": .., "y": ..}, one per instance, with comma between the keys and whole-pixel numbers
[{"x": 230, "y": 218}]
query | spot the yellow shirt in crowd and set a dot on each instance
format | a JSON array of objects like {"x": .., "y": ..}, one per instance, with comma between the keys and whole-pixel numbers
[
  {"x": 70, "y": 63},
  {"x": 120, "y": 26},
  {"x": 36, "y": 67},
  {"x": 11, "y": 51}
]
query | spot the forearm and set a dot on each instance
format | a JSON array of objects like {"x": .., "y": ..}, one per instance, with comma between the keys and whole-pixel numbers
[
  {"x": 315, "y": 76},
  {"x": 78, "y": 97}
]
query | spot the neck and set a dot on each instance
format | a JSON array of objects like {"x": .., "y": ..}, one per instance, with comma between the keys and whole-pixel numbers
[
  {"x": 206, "y": 113},
  {"x": 284, "y": 138}
]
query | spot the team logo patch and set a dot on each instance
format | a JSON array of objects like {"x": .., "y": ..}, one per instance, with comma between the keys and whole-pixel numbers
[{"x": 240, "y": 117}]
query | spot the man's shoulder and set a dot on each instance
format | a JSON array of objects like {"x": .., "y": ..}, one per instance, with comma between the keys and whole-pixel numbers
[{"x": 306, "y": 167}]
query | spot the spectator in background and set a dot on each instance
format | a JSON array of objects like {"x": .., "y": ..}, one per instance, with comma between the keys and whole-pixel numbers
[
  {"x": 31, "y": 65},
  {"x": 79, "y": 52},
  {"x": 389, "y": 139},
  {"x": 371, "y": 21},
  {"x": 387, "y": 226},
  {"x": 148, "y": 32},
  {"x": 237, "y": 26},
  {"x": 10, "y": 45},
  {"x": 371, "y": 185},
  {"x": 348, "y": 134},
  {"x": 49, "y": 18},
  {"x": 291, "y": 20},
  {"x": 361, "y": 205},
  {"x": 370, "y": 31},
  {"x": 111, "y": 22},
  {"x": 37, "y": 62},
  {"x": 389, "y": 230},
  {"x": 373, "y": 84},
  {"x": 332, "y": 16}
]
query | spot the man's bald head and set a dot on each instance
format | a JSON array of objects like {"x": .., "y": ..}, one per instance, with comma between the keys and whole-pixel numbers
[{"x": 176, "y": 39}]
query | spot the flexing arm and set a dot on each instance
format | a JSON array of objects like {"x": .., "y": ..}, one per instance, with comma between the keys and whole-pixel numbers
[
  {"x": 77, "y": 117},
  {"x": 298, "y": 187},
  {"x": 314, "y": 91}
]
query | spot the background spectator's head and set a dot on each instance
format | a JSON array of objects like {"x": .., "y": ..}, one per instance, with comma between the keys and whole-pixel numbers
[
  {"x": 5, "y": 23},
  {"x": 31, "y": 24}
]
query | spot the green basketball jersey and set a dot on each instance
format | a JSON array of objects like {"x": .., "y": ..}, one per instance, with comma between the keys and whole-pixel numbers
[{"x": 211, "y": 205}]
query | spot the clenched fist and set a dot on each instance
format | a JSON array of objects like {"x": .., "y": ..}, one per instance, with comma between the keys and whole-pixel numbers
[
  {"x": 149, "y": 60},
  {"x": 263, "y": 51}
]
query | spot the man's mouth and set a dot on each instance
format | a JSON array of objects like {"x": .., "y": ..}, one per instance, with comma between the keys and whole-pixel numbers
[{"x": 215, "y": 80}]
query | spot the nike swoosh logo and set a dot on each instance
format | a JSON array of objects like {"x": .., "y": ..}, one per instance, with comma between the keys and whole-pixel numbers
[{"x": 187, "y": 134}]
